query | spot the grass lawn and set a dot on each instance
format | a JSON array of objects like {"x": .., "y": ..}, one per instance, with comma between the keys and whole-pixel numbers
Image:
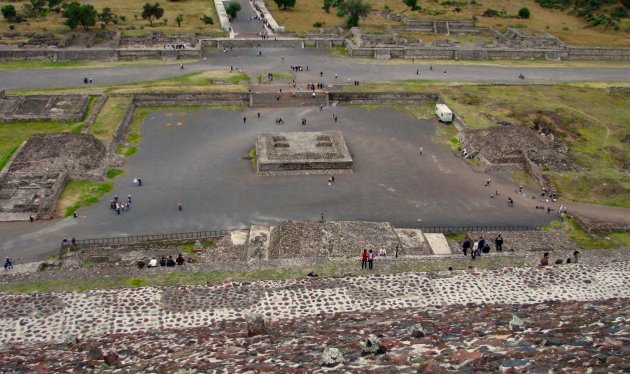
[
  {"x": 133, "y": 24},
  {"x": 114, "y": 172},
  {"x": 12, "y": 134},
  {"x": 591, "y": 241},
  {"x": 207, "y": 81},
  {"x": 570, "y": 29},
  {"x": 78, "y": 194},
  {"x": 109, "y": 117},
  {"x": 591, "y": 121}
]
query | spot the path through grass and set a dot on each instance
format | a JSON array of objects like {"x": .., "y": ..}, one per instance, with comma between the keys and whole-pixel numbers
[{"x": 78, "y": 194}]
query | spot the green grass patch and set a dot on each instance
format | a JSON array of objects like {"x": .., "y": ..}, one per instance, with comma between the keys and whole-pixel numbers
[
  {"x": 238, "y": 78},
  {"x": 33, "y": 64},
  {"x": 126, "y": 150},
  {"x": 77, "y": 194},
  {"x": 253, "y": 158},
  {"x": 188, "y": 247},
  {"x": 590, "y": 241},
  {"x": 109, "y": 117},
  {"x": 114, "y": 172},
  {"x": 13, "y": 134}
]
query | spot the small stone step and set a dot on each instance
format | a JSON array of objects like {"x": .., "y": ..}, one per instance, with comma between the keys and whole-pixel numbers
[{"x": 438, "y": 244}]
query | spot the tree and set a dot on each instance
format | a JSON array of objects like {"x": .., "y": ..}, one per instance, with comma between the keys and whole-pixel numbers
[
  {"x": 232, "y": 9},
  {"x": 523, "y": 13},
  {"x": 179, "y": 19},
  {"x": 152, "y": 12},
  {"x": 54, "y": 5},
  {"x": 411, "y": 3},
  {"x": 77, "y": 14},
  {"x": 38, "y": 7},
  {"x": 328, "y": 4},
  {"x": 356, "y": 9},
  {"x": 106, "y": 16},
  {"x": 9, "y": 13},
  {"x": 284, "y": 4},
  {"x": 207, "y": 20}
]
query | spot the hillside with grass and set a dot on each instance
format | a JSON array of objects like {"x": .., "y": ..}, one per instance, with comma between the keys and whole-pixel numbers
[
  {"x": 126, "y": 16},
  {"x": 605, "y": 25}
]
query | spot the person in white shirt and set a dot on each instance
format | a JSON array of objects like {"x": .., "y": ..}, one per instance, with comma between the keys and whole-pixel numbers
[{"x": 153, "y": 263}]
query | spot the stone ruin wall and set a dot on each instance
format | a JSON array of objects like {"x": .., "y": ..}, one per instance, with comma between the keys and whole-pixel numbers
[{"x": 69, "y": 108}]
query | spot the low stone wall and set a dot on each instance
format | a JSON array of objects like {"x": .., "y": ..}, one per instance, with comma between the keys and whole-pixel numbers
[
  {"x": 271, "y": 22},
  {"x": 224, "y": 20},
  {"x": 598, "y": 227},
  {"x": 575, "y": 53},
  {"x": 94, "y": 54},
  {"x": 93, "y": 113},
  {"x": 49, "y": 203},
  {"x": 124, "y": 123},
  {"x": 191, "y": 99},
  {"x": 270, "y": 99},
  {"x": 382, "y": 98},
  {"x": 42, "y": 107},
  {"x": 253, "y": 43}
]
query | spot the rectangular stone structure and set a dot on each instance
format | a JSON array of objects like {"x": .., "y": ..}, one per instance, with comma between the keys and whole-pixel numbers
[{"x": 302, "y": 153}]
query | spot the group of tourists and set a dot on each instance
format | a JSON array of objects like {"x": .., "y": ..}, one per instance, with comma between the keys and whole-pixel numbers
[
  {"x": 296, "y": 68},
  {"x": 544, "y": 261},
  {"x": 119, "y": 206},
  {"x": 314, "y": 86},
  {"x": 175, "y": 46},
  {"x": 163, "y": 262},
  {"x": 480, "y": 246}
]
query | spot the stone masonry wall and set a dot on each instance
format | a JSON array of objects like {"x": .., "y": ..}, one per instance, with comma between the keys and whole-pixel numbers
[{"x": 382, "y": 98}]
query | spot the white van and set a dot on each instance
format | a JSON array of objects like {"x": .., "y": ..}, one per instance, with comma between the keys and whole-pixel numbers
[{"x": 443, "y": 113}]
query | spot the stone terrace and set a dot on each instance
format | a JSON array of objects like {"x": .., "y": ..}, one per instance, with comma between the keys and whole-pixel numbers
[
  {"x": 553, "y": 336},
  {"x": 42, "y": 107},
  {"x": 56, "y": 316}
]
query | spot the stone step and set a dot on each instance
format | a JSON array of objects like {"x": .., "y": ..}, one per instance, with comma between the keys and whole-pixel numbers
[{"x": 438, "y": 244}]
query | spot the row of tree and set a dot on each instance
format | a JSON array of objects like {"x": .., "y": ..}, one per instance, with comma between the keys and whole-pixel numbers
[{"x": 84, "y": 15}]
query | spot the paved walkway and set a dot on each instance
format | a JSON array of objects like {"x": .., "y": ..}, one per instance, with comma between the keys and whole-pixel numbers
[
  {"x": 318, "y": 60},
  {"x": 53, "y": 317}
]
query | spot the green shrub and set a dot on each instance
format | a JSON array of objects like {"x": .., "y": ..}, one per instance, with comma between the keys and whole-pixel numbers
[{"x": 524, "y": 13}]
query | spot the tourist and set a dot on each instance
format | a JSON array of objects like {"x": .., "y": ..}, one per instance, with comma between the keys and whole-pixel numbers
[
  {"x": 31, "y": 218},
  {"x": 332, "y": 178},
  {"x": 510, "y": 202},
  {"x": 163, "y": 261},
  {"x": 312, "y": 274},
  {"x": 244, "y": 119},
  {"x": 329, "y": 182},
  {"x": 370, "y": 259},
  {"x": 482, "y": 243},
  {"x": 179, "y": 206},
  {"x": 475, "y": 248},
  {"x": 170, "y": 262},
  {"x": 466, "y": 244},
  {"x": 486, "y": 248},
  {"x": 498, "y": 243},
  {"x": 75, "y": 215},
  {"x": 180, "y": 260},
  {"x": 8, "y": 264},
  {"x": 129, "y": 198},
  {"x": 181, "y": 66},
  {"x": 364, "y": 259},
  {"x": 73, "y": 242},
  {"x": 85, "y": 80},
  {"x": 140, "y": 264},
  {"x": 568, "y": 260},
  {"x": 382, "y": 252},
  {"x": 545, "y": 260},
  {"x": 487, "y": 182},
  {"x": 153, "y": 263},
  {"x": 576, "y": 257}
]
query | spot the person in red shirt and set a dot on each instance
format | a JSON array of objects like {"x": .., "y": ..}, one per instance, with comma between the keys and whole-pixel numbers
[{"x": 364, "y": 259}]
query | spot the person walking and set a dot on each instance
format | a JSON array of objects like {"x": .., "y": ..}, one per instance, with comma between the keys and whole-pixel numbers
[
  {"x": 370, "y": 260},
  {"x": 364, "y": 259},
  {"x": 480, "y": 244},
  {"x": 498, "y": 243}
]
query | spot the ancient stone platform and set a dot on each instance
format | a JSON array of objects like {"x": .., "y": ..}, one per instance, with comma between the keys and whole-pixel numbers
[
  {"x": 56, "y": 316},
  {"x": 302, "y": 153},
  {"x": 42, "y": 107},
  {"x": 35, "y": 178}
]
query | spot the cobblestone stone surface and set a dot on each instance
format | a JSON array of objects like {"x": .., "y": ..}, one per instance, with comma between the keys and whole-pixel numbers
[
  {"x": 569, "y": 336},
  {"x": 54, "y": 317}
]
